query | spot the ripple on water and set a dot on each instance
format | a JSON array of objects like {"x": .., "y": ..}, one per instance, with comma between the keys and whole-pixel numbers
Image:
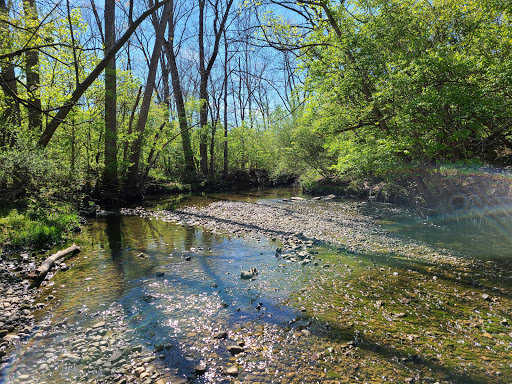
[{"x": 112, "y": 302}]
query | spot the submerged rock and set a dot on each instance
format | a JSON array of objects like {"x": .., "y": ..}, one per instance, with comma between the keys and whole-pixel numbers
[
  {"x": 220, "y": 335},
  {"x": 246, "y": 275},
  {"x": 235, "y": 349},
  {"x": 231, "y": 371},
  {"x": 200, "y": 368}
]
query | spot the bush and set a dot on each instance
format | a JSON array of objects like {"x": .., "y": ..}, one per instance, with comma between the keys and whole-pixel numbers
[
  {"x": 36, "y": 229},
  {"x": 30, "y": 179},
  {"x": 37, "y": 198}
]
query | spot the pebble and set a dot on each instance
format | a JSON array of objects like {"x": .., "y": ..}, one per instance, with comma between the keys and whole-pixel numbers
[
  {"x": 235, "y": 349},
  {"x": 220, "y": 335},
  {"x": 200, "y": 368},
  {"x": 231, "y": 370}
]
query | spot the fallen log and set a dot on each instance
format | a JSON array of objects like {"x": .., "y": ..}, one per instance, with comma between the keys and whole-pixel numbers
[{"x": 38, "y": 274}]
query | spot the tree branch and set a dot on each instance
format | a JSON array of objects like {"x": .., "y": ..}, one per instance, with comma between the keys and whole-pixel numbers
[{"x": 84, "y": 85}]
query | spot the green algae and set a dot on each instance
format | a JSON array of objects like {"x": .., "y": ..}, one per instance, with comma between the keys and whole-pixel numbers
[{"x": 418, "y": 322}]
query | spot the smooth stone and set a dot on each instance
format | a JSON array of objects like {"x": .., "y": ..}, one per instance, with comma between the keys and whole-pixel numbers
[
  {"x": 220, "y": 335},
  {"x": 200, "y": 368},
  {"x": 235, "y": 349},
  {"x": 99, "y": 325},
  {"x": 246, "y": 275},
  {"x": 231, "y": 371},
  {"x": 116, "y": 356}
]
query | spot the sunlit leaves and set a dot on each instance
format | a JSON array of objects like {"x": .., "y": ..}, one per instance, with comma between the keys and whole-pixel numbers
[{"x": 438, "y": 72}]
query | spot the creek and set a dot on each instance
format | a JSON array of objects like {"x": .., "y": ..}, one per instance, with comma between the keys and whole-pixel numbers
[{"x": 153, "y": 301}]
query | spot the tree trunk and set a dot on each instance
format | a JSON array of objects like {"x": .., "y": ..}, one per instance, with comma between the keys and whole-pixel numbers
[
  {"x": 178, "y": 96},
  {"x": 225, "y": 170},
  {"x": 32, "y": 72},
  {"x": 110, "y": 181},
  {"x": 40, "y": 273},
  {"x": 203, "y": 94},
  {"x": 84, "y": 85},
  {"x": 132, "y": 182},
  {"x": 212, "y": 145},
  {"x": 12, "y": 114},
  {"x": 130, "y": 126},
  {"x": 204, "y": 73}
]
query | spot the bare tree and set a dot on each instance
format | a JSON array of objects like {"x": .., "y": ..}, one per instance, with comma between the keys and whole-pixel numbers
[
  {"x": 132, "y": 182},
  {"x": 225, "y": 99},
  {"x": 12, "y": 113},
  {"x": 178, "y": 93},
  {"x": 205, "y": 68},
  {"x": 110, "y": 181},
  {"x": 32, "y": 73},
  {"x": 63, "y": 111}
]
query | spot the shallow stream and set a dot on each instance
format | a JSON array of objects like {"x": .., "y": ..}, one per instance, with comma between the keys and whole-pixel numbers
[{"x": 152, "y": 301}]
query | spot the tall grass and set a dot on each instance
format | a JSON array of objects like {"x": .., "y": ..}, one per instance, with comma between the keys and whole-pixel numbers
[{"x": 32, "y": 229}]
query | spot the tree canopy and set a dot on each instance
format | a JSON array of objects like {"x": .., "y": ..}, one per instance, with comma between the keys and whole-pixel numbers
[{"x": 320, "y": 87}]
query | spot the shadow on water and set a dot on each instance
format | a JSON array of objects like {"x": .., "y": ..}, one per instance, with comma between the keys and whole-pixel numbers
[
  {"x": 197, "y": 292},
  {"x": 186, "y": 286}
]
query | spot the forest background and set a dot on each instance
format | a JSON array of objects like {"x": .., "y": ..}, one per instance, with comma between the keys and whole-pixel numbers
[{"x": 105, "y": 101}]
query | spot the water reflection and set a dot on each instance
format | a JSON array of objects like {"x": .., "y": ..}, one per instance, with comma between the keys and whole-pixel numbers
[
  {"x": 157, "y": 284},
  {"x": 484, "y": 233},
  {"x": 156, "y": 289}
]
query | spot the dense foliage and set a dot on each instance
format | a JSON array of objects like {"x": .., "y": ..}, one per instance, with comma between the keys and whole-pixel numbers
[
  {"x": 394, "y": 81},
  {"x": 377, "y": 86}
]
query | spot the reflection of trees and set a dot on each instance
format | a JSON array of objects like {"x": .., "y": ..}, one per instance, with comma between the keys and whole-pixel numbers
[
  {"x": 189, "y": 238},
  {"x": 113, "y": 231}
]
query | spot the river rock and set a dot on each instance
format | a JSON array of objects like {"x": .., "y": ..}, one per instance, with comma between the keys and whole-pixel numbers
[
  {"x": 231, "y": 371},
  {"x": 98, "y": 325},
  {"x": 139, "y": 371},
  {"x": 71, "y": 357},
  {"x": 220, "y": 335},
  {"x": 200, "y": 368},
  {"x": 235, "y": 349},
  {"x": 116, "y": 356},
  {"x": 246, "y": 275}
]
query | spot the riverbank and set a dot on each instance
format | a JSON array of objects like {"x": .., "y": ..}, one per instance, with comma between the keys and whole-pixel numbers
[
  {"x": 431, "y": 189},
  {"x": 16, "y": 302},
  {"x": 370, "y": 306}
]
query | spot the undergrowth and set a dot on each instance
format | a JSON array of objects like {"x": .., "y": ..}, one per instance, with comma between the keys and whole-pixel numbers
[{"x": 36, "y": 228}]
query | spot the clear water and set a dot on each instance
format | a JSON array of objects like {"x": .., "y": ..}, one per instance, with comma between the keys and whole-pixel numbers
[
  {"x": 188, "y": 299},
  {"x": 484, "y": 234},
  {"x": 186, "y": 287}
]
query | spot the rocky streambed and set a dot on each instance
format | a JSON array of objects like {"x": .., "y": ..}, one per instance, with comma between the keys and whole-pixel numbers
[
  {"x": 16, "y": 302},
  {"x": 299, "y": 223},
  {"x": 299, "y": 291},
  {"x": 389, "y": 308}
]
